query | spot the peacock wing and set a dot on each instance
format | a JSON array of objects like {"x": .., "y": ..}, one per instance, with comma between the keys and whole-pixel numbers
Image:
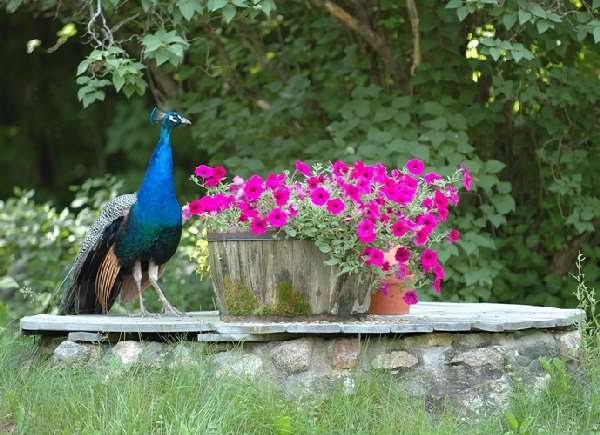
[{"x": 92, "y": 275}]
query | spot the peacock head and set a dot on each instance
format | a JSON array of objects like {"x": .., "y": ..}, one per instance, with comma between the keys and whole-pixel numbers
[{"x": 168, "y": 119}]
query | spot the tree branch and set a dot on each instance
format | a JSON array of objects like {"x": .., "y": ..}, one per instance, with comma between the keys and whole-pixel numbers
[
  {"x": 375, "y": 41},
  {"x": 413, "y": 15}
]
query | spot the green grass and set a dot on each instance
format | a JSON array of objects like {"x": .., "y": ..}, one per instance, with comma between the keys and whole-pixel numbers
[{"x": 36, "y": 398}]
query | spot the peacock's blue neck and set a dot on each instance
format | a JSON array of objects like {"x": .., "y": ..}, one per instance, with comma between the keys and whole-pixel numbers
[{"x": 157, "y": 191}]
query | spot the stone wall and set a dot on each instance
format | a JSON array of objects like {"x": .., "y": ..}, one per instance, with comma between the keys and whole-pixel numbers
[{"x": 471, "y": 370}]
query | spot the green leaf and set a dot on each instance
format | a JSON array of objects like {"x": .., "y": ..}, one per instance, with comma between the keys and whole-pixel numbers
[
  {"x": 453, "y": 4},
  {"x": 462, "y": 13},
  {"x": 509, "y": 21},
  {"x": 213, "y": 5},
  {"x": 597, "y": 34},
  {"x": 537, "y": 10},
  {"x": 228, "y": 13},
  {"x": 596, "y": 4},
  {"x": 189, "y": 8},
  {"x": 503, "y": 203},
  {"x": 524, "y": 16},
  {"x": 495, "y": 52},
  {"x": 267, "y": 6},
  {"x": 542, "y": 25},
  {"x": 494, "y": 166},
  {"x": 118, "y": 82},
  {"x": 83, "y": 66}
]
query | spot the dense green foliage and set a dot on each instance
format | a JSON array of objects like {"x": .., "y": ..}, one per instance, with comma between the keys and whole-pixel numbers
[{"x": 512, "y": 88}]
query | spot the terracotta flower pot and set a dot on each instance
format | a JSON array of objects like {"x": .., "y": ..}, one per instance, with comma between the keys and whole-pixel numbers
[{"x": 392, "y": 302}]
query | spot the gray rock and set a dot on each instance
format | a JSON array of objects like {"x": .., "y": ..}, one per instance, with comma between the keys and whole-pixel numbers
[
  {"x": 481, "y": 357},
  {"x": 236, "y": 363},
  {"x": 128, "y": 352},
  {"x": 569, "y": 343},
  {"x": 493, "y": 395},
  {"x": 292, "y": 356},
  {"x": 70, "y": 353},
  {"x": 394, "y": 360},
  {"x": 344, "y": 353}
]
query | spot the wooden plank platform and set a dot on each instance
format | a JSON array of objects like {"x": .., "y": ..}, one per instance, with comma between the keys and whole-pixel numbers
[{"x": 424, "y": 317}]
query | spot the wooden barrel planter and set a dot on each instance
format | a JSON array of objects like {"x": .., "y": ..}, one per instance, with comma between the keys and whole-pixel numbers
[{"x": 259, "y": 276}]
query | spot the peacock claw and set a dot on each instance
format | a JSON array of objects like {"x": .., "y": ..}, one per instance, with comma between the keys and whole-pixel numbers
[{"x": 170, "y": 310}]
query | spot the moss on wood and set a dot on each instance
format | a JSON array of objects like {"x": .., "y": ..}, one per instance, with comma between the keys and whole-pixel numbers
[
  {"x": 288, "y": 302},
  {"x": 238, "y": 298}
]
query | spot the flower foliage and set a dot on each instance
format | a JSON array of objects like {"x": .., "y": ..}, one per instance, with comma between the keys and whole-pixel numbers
[{"x": 360, "y": 215}]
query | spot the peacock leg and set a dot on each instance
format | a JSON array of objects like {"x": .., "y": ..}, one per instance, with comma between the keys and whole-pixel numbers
[
  {"x": 167, "y": 307},
  {"x": 137, "y": 277}
]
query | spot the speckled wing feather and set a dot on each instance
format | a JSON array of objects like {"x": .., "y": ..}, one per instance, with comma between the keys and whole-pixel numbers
[{"x": 113, "y": 210}]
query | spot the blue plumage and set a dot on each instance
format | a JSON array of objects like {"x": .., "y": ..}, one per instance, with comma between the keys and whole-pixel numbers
[{"x": 127, "y": 248}]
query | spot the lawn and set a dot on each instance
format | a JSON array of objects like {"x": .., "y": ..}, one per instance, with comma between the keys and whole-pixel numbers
[{"x": 36, "y": 398}]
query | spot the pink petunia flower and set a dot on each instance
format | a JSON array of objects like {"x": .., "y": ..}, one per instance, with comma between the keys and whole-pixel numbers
[
  {"x": 365, "y": 226},
  {"x": 258, "y": 225},
  {"x": 319, "y": 196},
  {"x": 274, "y": 181},
  {"x": 467, "y": 179},
  {"x": 204, "y": 171},
  {"x": 402, "y": 255},
  {"x": 431, "y": 177},
  {"x": 375, "y": 257},
  {"x": 429, "y": 259},
  {"x": 303, "y": 168},
  {"x": 340, "y": 168},
  {"x": 410, "y": 297},
  {"x": 281, "y": 196},
  {"x": 277, "y": 218},
  {"x": 415, "y": 166},
  {"x": 367, "y": 237},
  {"x": 185, "y": 212},
  {"x": 253, "y": 188},
  {"x": 384, "y": 287},
  {"x": 399, "y": 229},
  {"x": 335, "y": 206},
  {"x": 453, "y": 235}
]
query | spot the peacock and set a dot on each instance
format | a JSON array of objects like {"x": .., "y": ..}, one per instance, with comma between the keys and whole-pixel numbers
[{"x": 126, "y": 249}]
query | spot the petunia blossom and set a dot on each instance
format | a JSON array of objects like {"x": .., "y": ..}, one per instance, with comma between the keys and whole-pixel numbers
[
  {"x": 319, "y": 196},
  {"x": 453, "y": 235},
  {"x": 253, "y": 188},
  {"x": 281, "y": 196},
  {"x": 277, "y": 218},
  {"x": 429, "y": 259},
  {"x": 303, "y": 168},
  {"x": 204, "y": 171},
  {"x": 258, "y": 225},
  {"x": 415, "y": 166},
  {"x": 467, "y": 179},
  {"x": 335, "y": 206},
  {"x": 410, "y": 297},
  {"x": 402, "y": 255}
]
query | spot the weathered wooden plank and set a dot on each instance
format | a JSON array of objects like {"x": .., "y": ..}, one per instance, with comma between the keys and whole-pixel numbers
[
  {"x": 366, "y": 328},
  {"x": 314, "y": 328},
  {"x": 212, "y": 337},
  {"x": 433, "y": 317},
  {"x": 250, "y": 328},
  {"x": 125, "y": 324}
]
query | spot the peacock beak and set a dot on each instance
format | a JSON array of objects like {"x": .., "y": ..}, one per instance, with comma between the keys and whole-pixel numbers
[{"x": 185, "y": 121}]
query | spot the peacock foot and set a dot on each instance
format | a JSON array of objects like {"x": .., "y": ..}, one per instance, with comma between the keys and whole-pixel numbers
[{"x": 170, "y": 310}]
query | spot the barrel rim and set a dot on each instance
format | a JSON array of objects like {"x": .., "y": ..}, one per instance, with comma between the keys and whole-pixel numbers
[{"x": 246, "y": 237}]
